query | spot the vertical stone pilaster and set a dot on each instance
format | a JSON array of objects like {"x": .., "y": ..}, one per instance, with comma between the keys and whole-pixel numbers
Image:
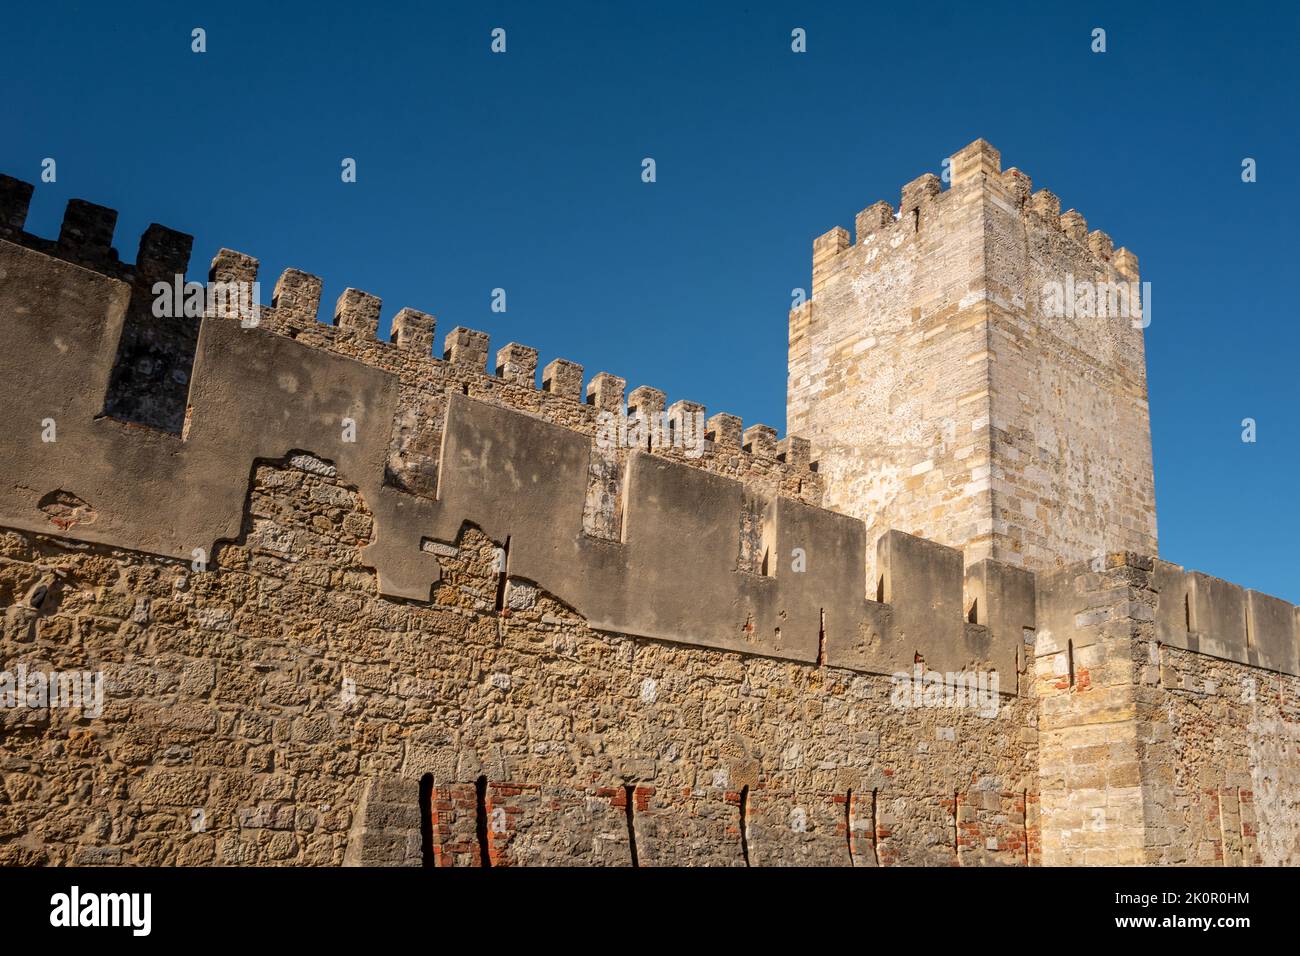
[{"x": 1095, "y": 619}]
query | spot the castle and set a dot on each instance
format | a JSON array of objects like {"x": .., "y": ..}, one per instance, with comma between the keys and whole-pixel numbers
[{"x": 333, "y": 600}]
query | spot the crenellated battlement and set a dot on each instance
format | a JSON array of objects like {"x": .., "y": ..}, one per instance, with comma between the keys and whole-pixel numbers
[
  {"x": 1207, "y": 615},
  {"x": 435, "y": 418},
  {"x": 975, "y": 169},
  {"x": 720, "y": 545},
  {"x": 86, "y": 239},
  {"x": 502, "y": 612}
]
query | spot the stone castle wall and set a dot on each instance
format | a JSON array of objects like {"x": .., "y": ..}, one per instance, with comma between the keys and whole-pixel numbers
[
  {"x": 294, "y": 711},
  {"x": 1165, "y": 737},
  {"x": 466, "y": 630},
  {"x": 508, "y": 601}
]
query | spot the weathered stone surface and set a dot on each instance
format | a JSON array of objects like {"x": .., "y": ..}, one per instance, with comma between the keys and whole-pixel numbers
[
  {"x": 283, "y": 710},
  {"x": 359, "y": 604}
]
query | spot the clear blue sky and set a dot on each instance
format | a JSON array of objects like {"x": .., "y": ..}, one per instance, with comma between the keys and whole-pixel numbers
[{"x": 522, "y": 171}]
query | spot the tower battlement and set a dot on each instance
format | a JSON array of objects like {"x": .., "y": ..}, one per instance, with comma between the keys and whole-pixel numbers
[{"x": 977, "y": 165}]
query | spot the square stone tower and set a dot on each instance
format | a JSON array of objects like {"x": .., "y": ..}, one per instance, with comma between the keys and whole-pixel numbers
[{"x": 971, "y": 370}]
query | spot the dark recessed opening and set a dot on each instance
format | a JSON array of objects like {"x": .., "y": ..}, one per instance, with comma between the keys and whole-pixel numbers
[
  {"x": 502, "y": 573},
  {"x": 629, "y": 810},
  {"x": 426, "y": 820},
  {"x": 744, "y": 824},
  {"x": 481, "y": 821}
]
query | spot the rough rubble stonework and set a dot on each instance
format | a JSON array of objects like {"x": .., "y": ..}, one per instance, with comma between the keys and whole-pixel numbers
[{"x": 466, "y": 630}]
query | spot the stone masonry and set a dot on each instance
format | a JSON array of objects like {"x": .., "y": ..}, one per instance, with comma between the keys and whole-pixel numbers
[
  {"x": 940, "y": 398},
  {"x": 354, "y": 602}
]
